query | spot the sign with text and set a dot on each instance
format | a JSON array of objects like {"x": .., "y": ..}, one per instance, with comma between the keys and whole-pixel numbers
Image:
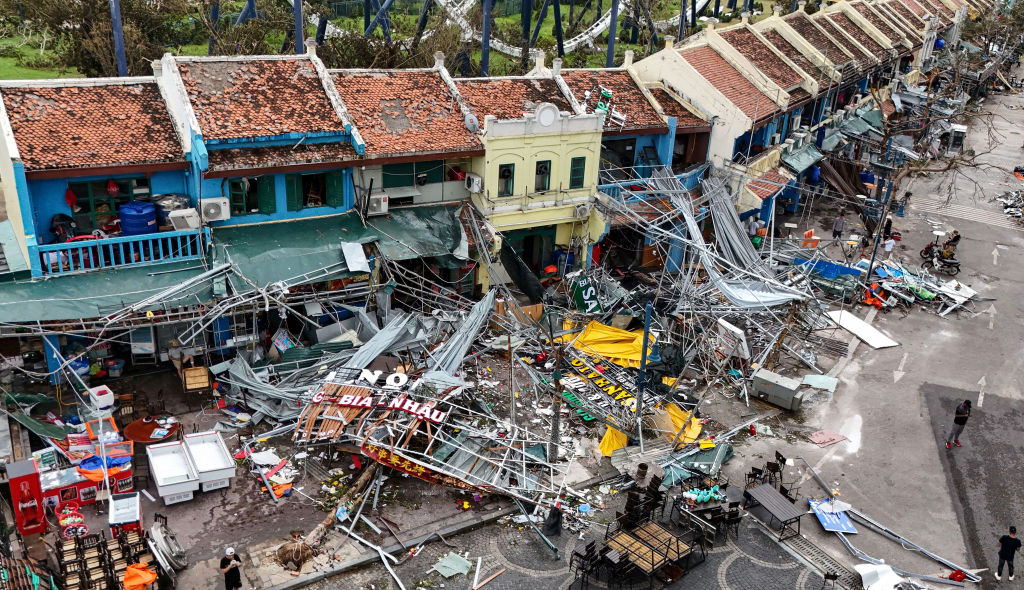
[{"x": 832, "y": 522}]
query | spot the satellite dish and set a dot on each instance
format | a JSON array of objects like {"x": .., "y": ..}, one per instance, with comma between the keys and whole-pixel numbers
[
  {"x": 546, "y": 114},
  {"x": 472, "y": 123}
]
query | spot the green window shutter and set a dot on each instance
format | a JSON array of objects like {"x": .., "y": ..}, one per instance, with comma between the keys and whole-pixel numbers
[
  {"x": 266, "y": 195},
  {"x": 293, "y": 188},
  {"x": 335, "y": 189},
  {"x": 577, "y": 172},
  {"x": 396, "y": 175},
  {"x": 433, "y": 169}
]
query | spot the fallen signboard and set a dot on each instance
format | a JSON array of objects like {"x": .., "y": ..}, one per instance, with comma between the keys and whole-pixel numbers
[{"x": 835, "y": 522}]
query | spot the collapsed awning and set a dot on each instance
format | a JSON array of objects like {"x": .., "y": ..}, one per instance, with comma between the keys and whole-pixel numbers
[
  {"x": 100, "y": 293},
  {"x": 269, "y": 253},
  {"x": 801, "y": 159}
]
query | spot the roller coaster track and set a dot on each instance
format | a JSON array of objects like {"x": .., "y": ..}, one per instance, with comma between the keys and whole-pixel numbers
[{"x": 457, "y": 11}]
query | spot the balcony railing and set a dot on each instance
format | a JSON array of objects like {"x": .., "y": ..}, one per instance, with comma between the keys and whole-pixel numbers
[{"x": 87, "y": 254}]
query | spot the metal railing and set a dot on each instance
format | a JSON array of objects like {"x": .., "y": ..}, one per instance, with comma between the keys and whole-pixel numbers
[
  {"x": 84, "y": 255},
  {"x": 690, "y": 179}
]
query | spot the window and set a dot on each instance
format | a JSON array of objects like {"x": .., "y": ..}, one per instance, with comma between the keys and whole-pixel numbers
[
  {"x": 96, "y": 203},
  {"x": 506, "y": 179},
  {"x": 252, "y": 195},
  {"x": 413, "y": 173},
  {"x": 305, "y": 191},
  {"x": 542, "y": 180},
  {"x": 576, "y": 172}
]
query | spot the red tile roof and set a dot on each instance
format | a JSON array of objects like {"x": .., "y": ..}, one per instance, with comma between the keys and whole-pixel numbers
[
  {"x": 627, "y": 97},
  {"x": 819, "y": 40},
  {"x": 281, "y": 156},
  {"x": 864, "y": 58},
  {"x": 913, "y": 21},
  {"x": 939, "y": 9},
  {"x": 917, "y": 9},
  {"x": 258, "y": 97},
  {"x": 887, "y": 28},
  {"x": 797, "y": 96},
  {"x": 844, "y": 22},
  {"x": 888, "y": 107},
  {"x": 684, "y": 118},
  {"x": 762, "y": 57},
  {"x": 91, "y": 126},
  {"x": 730, "y": 82},
  {"x": 768, "y": 184},
  {"x": 794, "y": 55},
  {"x": 510, "y": 98},
  {"x": 404, "y": 111}
]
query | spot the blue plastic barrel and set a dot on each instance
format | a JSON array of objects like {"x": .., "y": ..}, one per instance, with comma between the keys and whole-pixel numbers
[{"x": 137, "y": 218}]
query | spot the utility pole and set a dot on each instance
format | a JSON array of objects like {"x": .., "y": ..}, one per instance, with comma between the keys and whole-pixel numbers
[
  {"x": 300, "y": 33},
  {"x": 642, "y": 384}
]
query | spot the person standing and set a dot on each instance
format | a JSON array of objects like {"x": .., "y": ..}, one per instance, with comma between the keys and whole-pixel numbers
[
  {"x": 1009, "y": 545},
  {"x": 229, "y": 567},
  {"x": 179, "y": 356},
  {"x": 838, "y": 227},
  {"x": 889, "y": 244},
  {"x": 963, "y": 412}
]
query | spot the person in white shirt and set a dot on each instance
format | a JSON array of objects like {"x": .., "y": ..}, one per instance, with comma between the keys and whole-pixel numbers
[{"x": 889, "y": 245}]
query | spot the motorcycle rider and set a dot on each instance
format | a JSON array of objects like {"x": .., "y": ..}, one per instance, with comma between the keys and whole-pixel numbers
[{"x": 949, "y": 247}]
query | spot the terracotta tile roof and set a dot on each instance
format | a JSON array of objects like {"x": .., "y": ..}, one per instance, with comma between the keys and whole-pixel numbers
[
  {"x": 917, "y": 9},
  {"x": 258, "y": 97},
  {"x": 938, "y": 9},
  {"x": 819, "y": 40},
  {"x": 730, "y": 82},
  {"x": 281, "y": 156},
  {"x": 888, "y": 107},
  {"x": 902, "y": 22},
  {"x": 794, "y": 55},
  {"x": 886, "y": 27},
  {"x": 844, "y": 22},
  {"x": 669, "y": 103},
  {"x": 91, "y": 126},
  {"x": 912, "y": 20},
  {"x": 649, "y": 210},
  {"x": 510, "y": 98},
  {"x": 762, "y": 57},
  {"x": 404, "y": 111},
  {"x": 627, "y": 97},
  {"x": 864, "y": 58},
  {"x": 797, "y": 96},
  {"x": 768, "y": 184}
]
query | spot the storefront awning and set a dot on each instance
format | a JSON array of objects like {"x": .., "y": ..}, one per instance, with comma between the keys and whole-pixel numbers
[
  {"x": 274, "y": 252},
  {"x": 801, "y": 159},
  {"x": 100, "y": 293}
]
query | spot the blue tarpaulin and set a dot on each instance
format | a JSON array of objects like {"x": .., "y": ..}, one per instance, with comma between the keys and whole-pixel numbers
[
  {"x": 826, "y": 269},
  {"x": 94, "y": 462}
]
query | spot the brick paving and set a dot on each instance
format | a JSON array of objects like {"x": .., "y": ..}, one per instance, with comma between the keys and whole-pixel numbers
[{"x": 750, "y": 561}]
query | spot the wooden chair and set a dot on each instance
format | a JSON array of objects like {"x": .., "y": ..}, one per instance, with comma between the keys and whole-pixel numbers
[
  {"x": 788, "y": 494},
  {"x": 754, "y": 477},
  {"x": 773, "y": 473},
  {"x": 732, "y": 522}
]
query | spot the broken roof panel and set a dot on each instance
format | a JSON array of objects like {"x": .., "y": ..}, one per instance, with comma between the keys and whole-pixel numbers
[
  {"x": 627, "y": 98},
  {"x": 91, "y": 125},
  {"x": 672, "y": 105},
  {"x": 768, "y": 184},
  {"x": 286, "y": 156},
  {"x": 730, "y": 82},
  {"x": 510, "y": 98},
  {"x": 246, "y": 98},
  {"x": 759, "y": 54},
  {"x": 404, "y": 111}
]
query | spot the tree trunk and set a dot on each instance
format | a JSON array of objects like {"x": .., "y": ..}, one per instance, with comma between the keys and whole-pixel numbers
[{"x": 368, "y": 476}]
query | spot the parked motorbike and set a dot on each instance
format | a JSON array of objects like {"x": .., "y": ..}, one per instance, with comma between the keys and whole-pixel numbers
[
  {"x": 930, "y": 250},
  {"x": 950, "y": 266}
]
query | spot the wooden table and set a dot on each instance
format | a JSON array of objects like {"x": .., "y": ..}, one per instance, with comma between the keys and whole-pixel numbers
[
  {"x": 642, "y": 556},
  {"x": 141, "y": 431},
  {"x": 778, "y": 507},
  {"x": 656, "y": 536}
]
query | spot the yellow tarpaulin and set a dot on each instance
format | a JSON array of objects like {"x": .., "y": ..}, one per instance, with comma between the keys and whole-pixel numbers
[
  {"x": 679, "y": 418},
  {"x": 613, "y": 440},
  {"x": 621, "y": 347}
]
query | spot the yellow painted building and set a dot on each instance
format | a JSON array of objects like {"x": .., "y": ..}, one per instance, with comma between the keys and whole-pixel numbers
[{"x": 538, "y": 184}]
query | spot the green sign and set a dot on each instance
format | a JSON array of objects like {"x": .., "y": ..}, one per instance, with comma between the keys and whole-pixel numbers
[{"x": 584, "y": 295}]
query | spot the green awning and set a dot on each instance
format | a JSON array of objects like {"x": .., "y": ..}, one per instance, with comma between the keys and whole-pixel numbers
[
  {"x": 271, "y": 252},
  {"x": 100, "y": 293},
  {"x": 832, "y": 139},
  {"x": 855, "y": 126},
  {"x": 802, "y": 159},
  {"x": 873, "y": 118}
]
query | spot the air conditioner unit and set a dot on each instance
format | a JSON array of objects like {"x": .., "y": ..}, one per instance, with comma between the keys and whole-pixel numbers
[
  {"x": 215, "y": 209},
  {"x": 581, "y": 211},
  {"x": 184, "y": 219},
  {"x": 776, "y": 139},
  {"x": 378, "y": 205},
  {"x": 474, "y": 183}
]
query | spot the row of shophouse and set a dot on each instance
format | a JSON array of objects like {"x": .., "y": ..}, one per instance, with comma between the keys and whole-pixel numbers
[{"x": 183, "y": 203}]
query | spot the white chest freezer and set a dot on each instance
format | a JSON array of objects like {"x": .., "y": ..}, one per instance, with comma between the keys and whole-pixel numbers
[
  {"x": 210, "y": 455},
  {"x": 173, "y": 471}
]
